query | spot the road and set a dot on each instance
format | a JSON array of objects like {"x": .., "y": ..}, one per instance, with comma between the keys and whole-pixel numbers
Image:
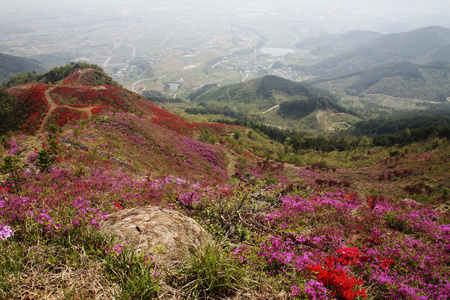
[
  {"x": 270, "y": 109},
  {"x": 169, "y": 37},
  {"x": 107, "y": 61}
]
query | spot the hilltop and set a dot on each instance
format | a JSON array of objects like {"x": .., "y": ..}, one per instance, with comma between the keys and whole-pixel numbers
[{"x": 69, "y": 93}]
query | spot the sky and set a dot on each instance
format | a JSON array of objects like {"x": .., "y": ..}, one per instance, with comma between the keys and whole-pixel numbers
[{"x": 359, "y": 14}]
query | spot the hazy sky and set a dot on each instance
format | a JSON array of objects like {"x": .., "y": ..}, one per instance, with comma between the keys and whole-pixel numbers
[{"x": 342, "y": 14}]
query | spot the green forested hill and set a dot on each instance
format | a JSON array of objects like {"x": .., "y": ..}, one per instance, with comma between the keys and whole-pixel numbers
[
  {"x": 264, "y": 92},
  {"x": 418, "y": 46},
  {"x": 405, "y": 80},
  {"x": 275, "y": 101},
  {"x": 11, "y": 65}
]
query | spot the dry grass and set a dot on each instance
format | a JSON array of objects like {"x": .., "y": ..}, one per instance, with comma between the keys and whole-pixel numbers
[{"x": 67, "y": 283}]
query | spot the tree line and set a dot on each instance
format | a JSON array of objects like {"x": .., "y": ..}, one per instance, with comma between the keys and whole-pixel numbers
[{"x": 300, "y": 141}]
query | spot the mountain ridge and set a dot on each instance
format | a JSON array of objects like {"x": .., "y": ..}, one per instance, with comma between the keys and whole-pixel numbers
[
  {"x": 428, "y": 82},
  {"x": 417, "y": 46}
]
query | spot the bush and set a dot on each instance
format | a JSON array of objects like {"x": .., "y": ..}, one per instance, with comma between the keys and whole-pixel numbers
[{"x": 211, "y": 272}]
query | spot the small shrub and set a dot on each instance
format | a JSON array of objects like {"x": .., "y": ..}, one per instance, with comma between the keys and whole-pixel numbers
[
  {"x": 136, "y": 274},
  {"x": 393, "y": 222},
  {"x": 211, "y": 272},
  {"x": 445, "y": 192},
  {"x": 45, "y": 160},
  {"x": 15, "y": 169}
]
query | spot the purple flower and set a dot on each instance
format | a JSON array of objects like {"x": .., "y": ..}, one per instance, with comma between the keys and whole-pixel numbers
[
  {"x": 5, "y": 232},
  {"x": 118, "y": 248}
]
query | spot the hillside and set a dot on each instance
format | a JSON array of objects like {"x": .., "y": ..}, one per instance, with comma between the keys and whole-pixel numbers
[
  {"x": 417, "y": 46},
  {"x": 274, "y": 100},
  {"x": 78, "y": 97},
  {"x": 288, "y": 220},
  {"x": 264, "y": 92},
  {"x": 406, "y": 80},
  {"x": 12, "y": 65}
]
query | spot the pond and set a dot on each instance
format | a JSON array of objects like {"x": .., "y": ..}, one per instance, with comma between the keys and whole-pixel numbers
[{"x": 174, "y": 85}]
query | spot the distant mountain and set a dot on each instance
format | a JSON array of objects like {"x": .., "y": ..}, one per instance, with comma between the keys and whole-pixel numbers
[
  {"x": 264, "y": 92},
  {"x": 332, "y": 44},
  {"x": 12, "y": 65},
  {"x": 82, "y": 94},
  {"x": 405, "y": 80},
  {"x": 418, "y": 46}
]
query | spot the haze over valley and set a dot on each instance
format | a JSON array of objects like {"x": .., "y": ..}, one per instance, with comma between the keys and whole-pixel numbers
[{"x": 146, "y": 45}]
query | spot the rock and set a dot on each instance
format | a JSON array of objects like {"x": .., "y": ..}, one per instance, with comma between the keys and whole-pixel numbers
[{"x": 151, "y": 228}]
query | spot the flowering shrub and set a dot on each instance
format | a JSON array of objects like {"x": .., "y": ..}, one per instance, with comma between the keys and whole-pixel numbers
[
  {"x": 385, "y": 259},
  {"x": 101, "y": 108},
  {"x": 338, "y": 281},
  {"x": 72, "y": 78},
  {"x": 65, "y": 115},
  {"x": 33, "y": 98}
]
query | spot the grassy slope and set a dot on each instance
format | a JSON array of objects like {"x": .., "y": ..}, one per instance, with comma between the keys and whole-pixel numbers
[
  {"x": 126, "y": 159},
  {"x": 287, "y": 226}
]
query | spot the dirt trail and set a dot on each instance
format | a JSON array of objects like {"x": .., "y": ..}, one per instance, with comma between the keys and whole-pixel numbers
[
  {"x": 53, "y": 106},
  {"x": 50, "y": 110},
  {"x": 229, "y": 97},
  {"x": 231, "y": 167},
  {"x": 330, "y": 127}
]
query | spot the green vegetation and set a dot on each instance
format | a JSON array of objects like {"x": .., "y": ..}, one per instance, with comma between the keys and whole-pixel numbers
[
  {"x": 297, "y": 109},
  {"x": 56, "y": 75},
  {"x": 267, "y": 99},
  {"x": 211, "y": 273},
  {"x": 156, "y": 96},
  {"x": 381, "y": 133},
  {"x": 264, "y": 92},
  {"x": 11, "y": 65},
  {"x": 382, "y": 126},
  {"x": 11, "y": 113}
]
